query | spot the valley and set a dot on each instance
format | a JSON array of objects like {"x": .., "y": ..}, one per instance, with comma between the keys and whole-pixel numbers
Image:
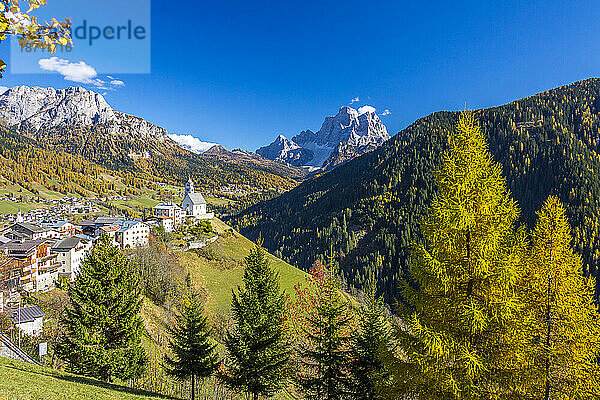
[
  {"x": 358, "y": 214},
  {"x": 299, "y": 200}
]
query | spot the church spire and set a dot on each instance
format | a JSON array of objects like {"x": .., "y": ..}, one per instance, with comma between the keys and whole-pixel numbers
[{"x": 189, "y": 186}]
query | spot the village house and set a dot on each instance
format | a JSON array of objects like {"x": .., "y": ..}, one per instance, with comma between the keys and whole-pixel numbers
[
  {"x": 70, "y": 253},
  {"x": 165, "y": 222},
  {"x": 110, "y": 231},
  {"x": 131, "y": 234},
  {"x": 171, "y": 211},
  {"x": 88, "y": 228},
  {"x": 30, "y": 231},
  {"x": 100, "y": 222},
  {"x": 10, "y": 276},
  {"x": 33, "y": 262},
  {"x": 64, "y": 228},
  {"x": 124, "y": 233},
  {"x": 28, "y": 319}
]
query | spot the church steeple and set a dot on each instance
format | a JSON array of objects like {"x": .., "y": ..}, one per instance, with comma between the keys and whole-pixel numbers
[{"x": 189, "y": 186}]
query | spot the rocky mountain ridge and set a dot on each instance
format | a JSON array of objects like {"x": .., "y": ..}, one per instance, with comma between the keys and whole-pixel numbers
[
  {"x": 342, "y": 137},
  {"x": 81, "y": 122},
  {"x": 39, "y": 111}
]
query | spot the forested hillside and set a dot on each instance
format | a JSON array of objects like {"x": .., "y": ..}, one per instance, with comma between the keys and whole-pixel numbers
[
  {"x": 369, "y": 209},
  {"x": 165, "y": 160},
  {"x": 23, "y": 163},
  {"x": 68, "y": 167}
]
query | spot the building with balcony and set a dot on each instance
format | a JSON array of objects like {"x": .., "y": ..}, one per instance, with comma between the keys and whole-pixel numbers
[
  {"x": 33, "y": 262},
  {"x": 70, "y": 253}
]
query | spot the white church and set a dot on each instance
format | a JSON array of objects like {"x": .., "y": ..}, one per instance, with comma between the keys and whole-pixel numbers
[{"x": 193, "y": 203}]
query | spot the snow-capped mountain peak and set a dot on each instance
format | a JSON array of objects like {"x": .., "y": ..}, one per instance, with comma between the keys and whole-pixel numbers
[
  {"x": 192, "y": 143},
  {"x": 358, "y": 129}
]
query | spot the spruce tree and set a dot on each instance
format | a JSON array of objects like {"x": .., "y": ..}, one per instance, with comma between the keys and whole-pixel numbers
[
  {"x": 103, "y": 326},
  {"x": 461, "y": 310},
  {"x": 371, "y": 342},
  {"x": 258, "y": 348},
  {"x": 194, "y": 355},
  {"x": 566, "y": 331},
  {"x": 325, "y": 355}
]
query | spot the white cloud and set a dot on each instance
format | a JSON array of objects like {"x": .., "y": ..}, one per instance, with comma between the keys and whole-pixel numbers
[
  {"x": 365, "y": 109},
  {"x": 386, "y": 112},
  {"x": 71, "y": 71},
  {"x": 354, "y": 100},
  {"x": 79, "y": 72},
  {"x": 3, "y": 89},
  {"x": 192, "y": 143}
]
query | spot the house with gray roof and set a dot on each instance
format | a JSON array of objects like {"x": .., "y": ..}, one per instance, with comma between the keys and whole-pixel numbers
[
  {"x": 29, "y": 319},
  {"x": 169, "y": 211},
  {"x": 132, "y": 233},
  {"x": 70, "y": 253},
  {"x": 30, "y": 231}
]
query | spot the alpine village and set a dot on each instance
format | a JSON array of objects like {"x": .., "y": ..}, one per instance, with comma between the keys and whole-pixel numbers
[{"x": 455, "y": 258}]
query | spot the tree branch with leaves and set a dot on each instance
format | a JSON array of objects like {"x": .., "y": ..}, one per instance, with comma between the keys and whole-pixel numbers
[{"x": 46, "y": 35}]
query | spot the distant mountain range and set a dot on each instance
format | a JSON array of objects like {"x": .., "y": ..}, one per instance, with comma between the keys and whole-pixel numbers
[
  {"x": 80, "y": 122},
  {"x": 346, "y": 135}
]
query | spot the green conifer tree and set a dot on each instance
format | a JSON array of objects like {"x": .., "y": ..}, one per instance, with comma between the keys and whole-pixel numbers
[
  {"x": 566, "y": 331},
  {"x": 258, "y": 348},
  {"x": 371, "y": 342},
  {"x": 462, "y": 310},
  {"x": 103, "y": 326},
  {"x": 194, "y": 355},
  {"x": 325, "y": 355}
]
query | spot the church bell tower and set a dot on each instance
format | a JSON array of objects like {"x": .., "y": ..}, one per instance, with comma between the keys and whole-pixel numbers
[{"x": 189, "y": 186}]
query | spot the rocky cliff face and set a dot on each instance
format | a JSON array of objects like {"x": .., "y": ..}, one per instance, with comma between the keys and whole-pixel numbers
[
  {"x": 37, "y": 110},
  {"x": 285, "y": 150},
  {"x": 355, "y": 132}
]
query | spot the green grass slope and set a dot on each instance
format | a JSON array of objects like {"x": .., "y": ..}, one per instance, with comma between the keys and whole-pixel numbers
[
  {"x": 224, "y": 272},
  {"x": 22, "y": 381},
  {"x": 216, "y": 271}
]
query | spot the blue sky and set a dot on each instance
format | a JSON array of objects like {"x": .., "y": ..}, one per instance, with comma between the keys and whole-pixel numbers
[{"x": 240, "y": 73}]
